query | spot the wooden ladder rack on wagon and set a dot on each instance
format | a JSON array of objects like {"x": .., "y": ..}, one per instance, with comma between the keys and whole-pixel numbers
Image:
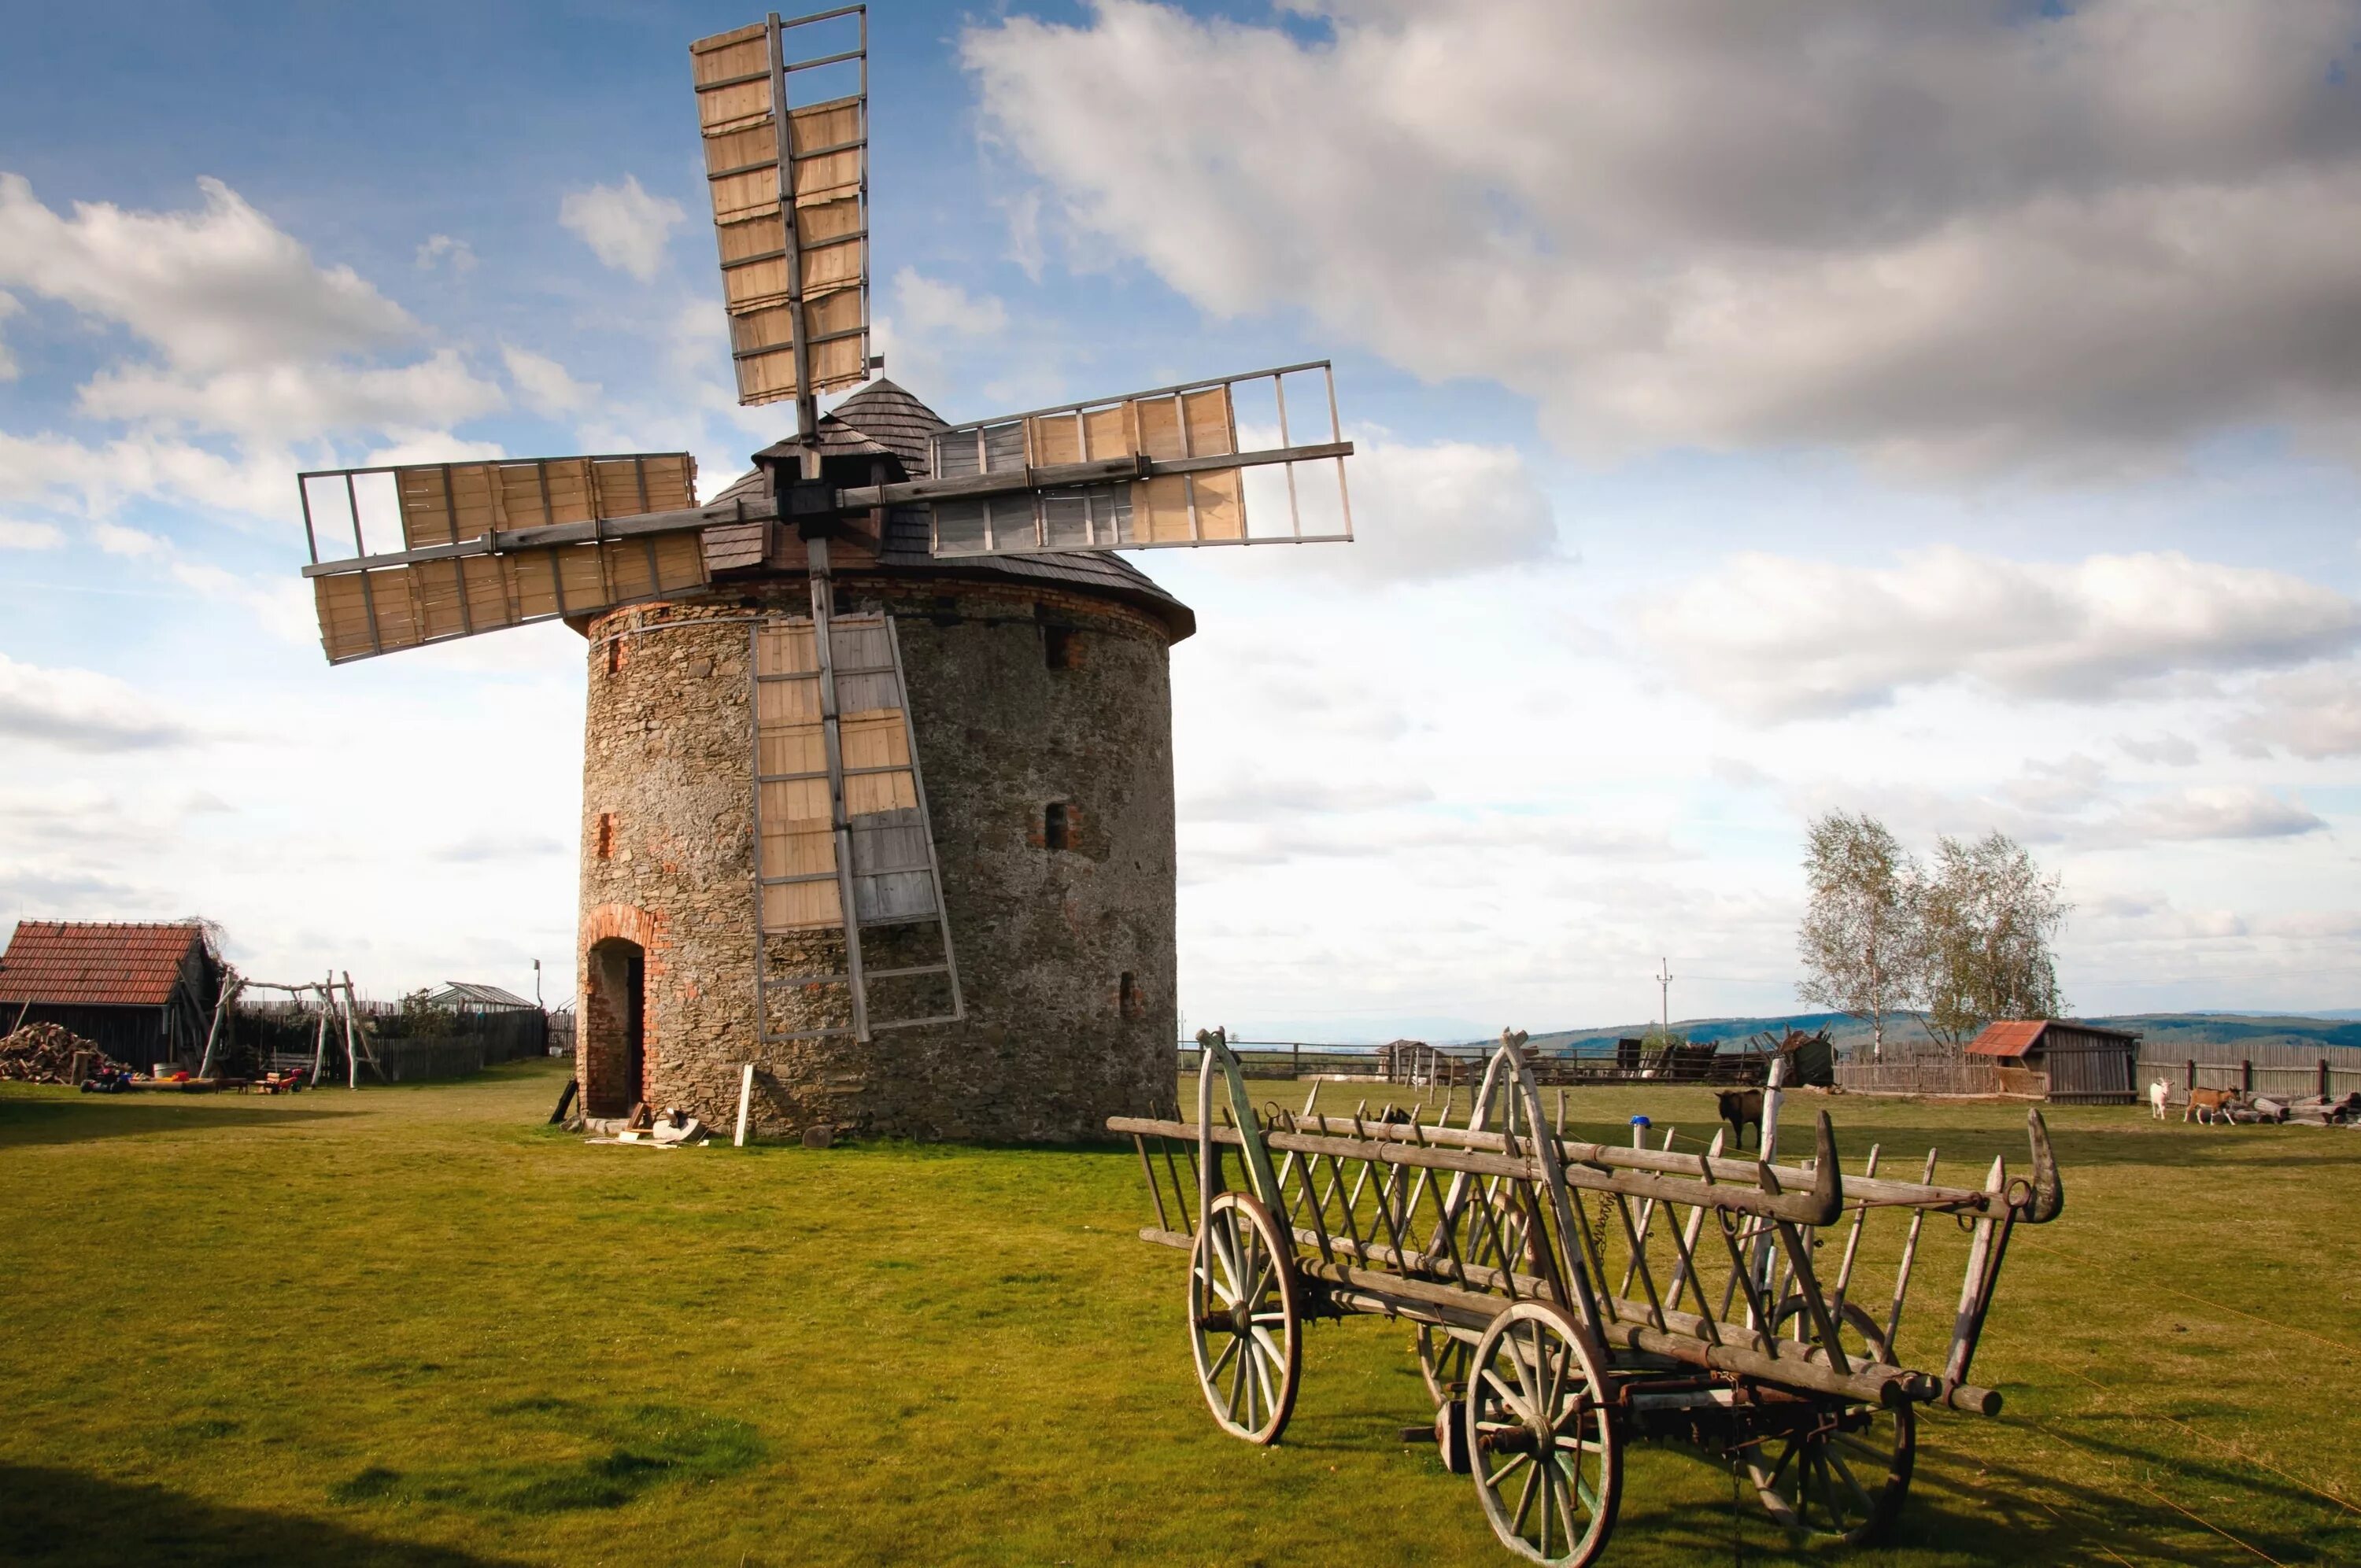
[{"x": 1516, "y": 1251}]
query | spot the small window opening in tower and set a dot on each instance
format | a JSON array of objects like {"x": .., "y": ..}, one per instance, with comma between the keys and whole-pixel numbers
[
  {"x": 1128, "y": 1000},
  {"x": 1056, "y": 832},
  {"x": 1058, "y": 649},
  {"x": 606, "y": 835}
]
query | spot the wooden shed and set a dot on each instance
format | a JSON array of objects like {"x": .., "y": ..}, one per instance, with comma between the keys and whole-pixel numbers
[
  {"x": 143, "y": 992},
  {"x": 2060, "y": 1061}
]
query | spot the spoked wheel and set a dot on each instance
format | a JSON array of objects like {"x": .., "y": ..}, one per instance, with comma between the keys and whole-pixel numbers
[
  {"x": 1840, "y": 1472},
  {"x": 1442, "y": 1360},
  {"x": 1546, "y": 1449},
  {"x": 1246, "y": 1326}
]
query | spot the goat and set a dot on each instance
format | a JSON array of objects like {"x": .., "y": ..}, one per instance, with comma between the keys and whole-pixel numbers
[
  {"x": 2159, "y": 1095},
  {"x": 1740, "y": 1106},
  {"x": 2208, "y": 1104}
]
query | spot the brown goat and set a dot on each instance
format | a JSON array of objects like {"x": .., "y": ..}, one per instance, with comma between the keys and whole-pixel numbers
[{"x": 2207, "y": 1104}]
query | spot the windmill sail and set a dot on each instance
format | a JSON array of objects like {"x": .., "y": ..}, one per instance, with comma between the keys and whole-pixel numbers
[
  {"x": 1175, "y": 467},
  {"x": 790, "y": 206},
  {"x": 469, "y": 562}
]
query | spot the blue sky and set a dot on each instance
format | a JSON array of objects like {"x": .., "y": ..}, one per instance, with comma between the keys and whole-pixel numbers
[{"x": 1947, "y": 411}]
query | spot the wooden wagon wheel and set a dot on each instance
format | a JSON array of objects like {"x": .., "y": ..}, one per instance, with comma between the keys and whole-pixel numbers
[
  {"x": 1443, "y": 1358},
  {"x": 1545, "y": 1446},
  {"x": 1245, "y": 1322},
  {"x": 1843, "y": 1471}
]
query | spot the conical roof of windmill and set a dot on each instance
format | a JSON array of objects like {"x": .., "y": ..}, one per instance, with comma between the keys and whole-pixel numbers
[{"x": 884, "y": 418}]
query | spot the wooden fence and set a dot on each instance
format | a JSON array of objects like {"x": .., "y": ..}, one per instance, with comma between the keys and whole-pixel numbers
[
  {"x": 1463, "y": 1066},
  {"x": 1931, "y": 1075},
  {"x": 282, "y": 1034},
  {"x": 2279, "y": 1071},
  {"x": 1296, "y": 1058}
]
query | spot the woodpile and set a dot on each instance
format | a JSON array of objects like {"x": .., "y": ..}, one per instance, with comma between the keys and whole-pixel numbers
[
  {"x": 2345, "y": 1111},
  {"x": 44, "y": 1052}
]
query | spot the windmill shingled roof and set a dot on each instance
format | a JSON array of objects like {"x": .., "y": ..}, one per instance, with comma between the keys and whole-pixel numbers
[
  {"x": 883, "y": 416},
  {"x": 96, "y": 963}
]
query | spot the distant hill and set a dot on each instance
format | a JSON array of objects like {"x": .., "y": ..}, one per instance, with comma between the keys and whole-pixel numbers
[{"x": 2164, "y": 1034}]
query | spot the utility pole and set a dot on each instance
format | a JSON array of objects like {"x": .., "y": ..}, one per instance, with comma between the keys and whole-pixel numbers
[{"x": 1664, "y": 980}]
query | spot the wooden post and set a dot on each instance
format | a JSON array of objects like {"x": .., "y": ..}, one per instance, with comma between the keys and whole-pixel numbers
[
  {"x": 745, "y": 1101},
  {"x": 2324, "y": 1079},
  {"x": 1295, "y": 1056},
  {"x": 2192, "y": 1072},
  {"x": 228, "y": 994},
  {"x": 2245, "y": 1075},
  {"x": 352, "y": 1040},
  {"x": 320, "y": 1040}
]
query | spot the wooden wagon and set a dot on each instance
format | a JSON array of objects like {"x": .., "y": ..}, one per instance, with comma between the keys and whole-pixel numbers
[{"x": 1569, "y": 1297}]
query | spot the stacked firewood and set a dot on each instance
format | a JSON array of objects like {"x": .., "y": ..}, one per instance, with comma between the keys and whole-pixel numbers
[
  {"x": 2345, "y": 1111},
  {"x": 44, "y": 1052}
]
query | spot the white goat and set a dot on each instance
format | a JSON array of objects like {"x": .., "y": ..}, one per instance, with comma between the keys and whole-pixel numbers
[{"x": 2159, "y": 1095}]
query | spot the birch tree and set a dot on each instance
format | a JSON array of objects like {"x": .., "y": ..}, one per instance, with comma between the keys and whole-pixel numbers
[
  {"x": 1987, "y": 913},
  {"x": 1858, "y": 938}
]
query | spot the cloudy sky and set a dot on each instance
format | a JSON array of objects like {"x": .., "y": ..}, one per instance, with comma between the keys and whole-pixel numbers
[{"x": 1948, "y": 409}]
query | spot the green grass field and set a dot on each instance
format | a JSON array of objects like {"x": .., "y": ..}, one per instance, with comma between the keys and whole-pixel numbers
[{"x": 414, "y": 1326}]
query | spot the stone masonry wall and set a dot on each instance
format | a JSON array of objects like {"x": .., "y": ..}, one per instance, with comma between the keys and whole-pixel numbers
[{"x": 1044, "y": 937}]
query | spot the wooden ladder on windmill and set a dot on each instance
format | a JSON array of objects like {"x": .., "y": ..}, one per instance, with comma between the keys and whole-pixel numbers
[{"x": 842, "y": 830}]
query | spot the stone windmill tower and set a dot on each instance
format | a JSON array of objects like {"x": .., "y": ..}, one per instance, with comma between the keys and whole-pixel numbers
[{"x": 877, "y": 774}]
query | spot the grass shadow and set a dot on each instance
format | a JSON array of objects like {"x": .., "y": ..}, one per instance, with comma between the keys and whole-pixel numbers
[
  {"x": 65, "y": 1117},
  {"x": 620, "y": 1453},
  {"x": 64, "y": 1518}
]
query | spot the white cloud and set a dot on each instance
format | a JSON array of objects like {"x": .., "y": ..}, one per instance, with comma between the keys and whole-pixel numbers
[
  {"x": 2314, "y": 714},
  {"x": 623, "y": 226},
  {"x": 547, "y": 389},
  {"x": 258, "y": 345},
  {"x": 43, "y": 468},
  {"x": 116, "y": 540},
  {"x": 1946, "y": 235},
  {"x": 931, "y": 306},
  {"x": 9, "y": 306},
  {"x": 928, "y": 320},
  {"x": 1770, "y": 638},
  {"x": 16, "y": 534},
  {"x": 2168, "y": 750},
  {"x": 220, "y": 289},
  {"x": 81, "y": 711},
  {"x": 2232, "y": 812},
  {"x": 1446, "y": 508},
  {"x": 429, "y": 446},
  {"x": 1243, "y": 797},
  {"x": 2072, "y": 802},
  {"x": 296, "y": 401},
  {"x": 441, "y": 249}
]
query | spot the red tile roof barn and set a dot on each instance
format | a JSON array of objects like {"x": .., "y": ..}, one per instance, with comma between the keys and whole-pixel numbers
[
  {"x": 2016, "y": 1036},
  {"x": 100, "y": 964},
  {"x": 2008, "y": 1037}
]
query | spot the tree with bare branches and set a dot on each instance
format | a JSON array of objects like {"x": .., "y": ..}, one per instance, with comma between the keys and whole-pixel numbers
[{"x": 1858, "y": 938}]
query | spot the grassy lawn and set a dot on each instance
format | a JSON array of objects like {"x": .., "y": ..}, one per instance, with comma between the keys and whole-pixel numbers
[{"x": 414, "y": 1326}]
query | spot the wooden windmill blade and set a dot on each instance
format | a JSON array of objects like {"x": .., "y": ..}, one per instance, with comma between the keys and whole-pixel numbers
[
  {"x": 789, "y": 184},
  {"x": 1214, "y": 462},
  {"x": 487, "y": 545}
]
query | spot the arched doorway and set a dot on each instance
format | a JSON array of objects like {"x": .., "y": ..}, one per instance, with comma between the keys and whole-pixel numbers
[{"x": 614, "y": 1029}]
